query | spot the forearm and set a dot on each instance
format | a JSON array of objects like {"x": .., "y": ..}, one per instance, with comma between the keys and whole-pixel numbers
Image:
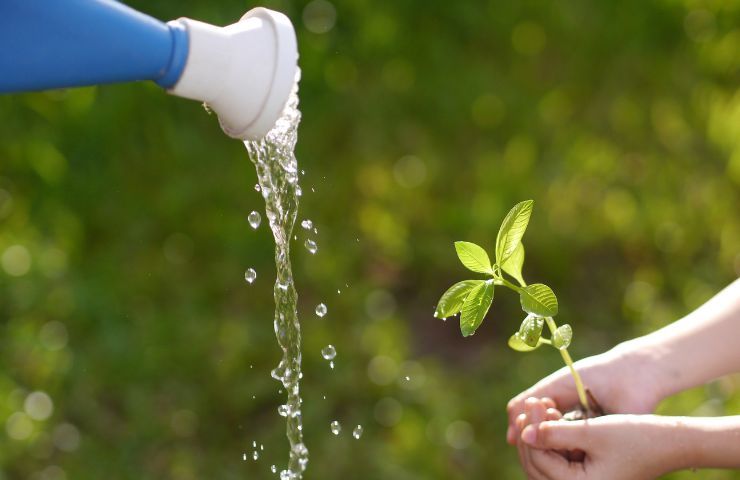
[
  {"x": 703, "y": 442},
  {"x": 699, "y": 347}
]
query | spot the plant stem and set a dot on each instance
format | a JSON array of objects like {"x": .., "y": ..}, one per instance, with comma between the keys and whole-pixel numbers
[
  {"x": 507, "y": 283},
  {"x": 569, "y": 362},
  {"x": 563, "y": 352}
]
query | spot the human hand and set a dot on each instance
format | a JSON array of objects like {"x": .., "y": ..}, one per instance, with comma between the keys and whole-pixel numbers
[
  {"x": 623, "y": 380},
  {"x": 618, "y": 447}
]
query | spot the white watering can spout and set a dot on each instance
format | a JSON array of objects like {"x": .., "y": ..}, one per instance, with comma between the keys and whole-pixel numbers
[{"x": 244, "y": 72}]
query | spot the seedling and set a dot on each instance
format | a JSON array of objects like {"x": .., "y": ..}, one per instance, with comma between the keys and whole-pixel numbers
[{"x": 473, "y": 298}]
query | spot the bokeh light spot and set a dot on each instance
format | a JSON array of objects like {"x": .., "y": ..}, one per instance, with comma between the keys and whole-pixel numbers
[
  {"x": 53, "y": 335},
  {"x": 19, "y": 426},
  {"x": 319, "y": 16},
  {"x": 382, "y": 370},
  {"x": 410, "y": 171},
  {"x": 16, "y": 260},
  {"x": 459, "y": 434},
  {"x": 38, "y": 405},
  {"x": 66, "y": 437}
]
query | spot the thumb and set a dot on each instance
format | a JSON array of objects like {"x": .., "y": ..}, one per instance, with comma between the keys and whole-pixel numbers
[{"x": 557, "y": 435}]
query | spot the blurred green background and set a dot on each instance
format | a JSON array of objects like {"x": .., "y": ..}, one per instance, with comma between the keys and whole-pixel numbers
[{"x": 132, "y": 348}]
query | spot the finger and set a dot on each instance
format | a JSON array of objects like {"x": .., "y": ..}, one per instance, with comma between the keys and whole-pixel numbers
[
  {"x": 535, "y": 410},
  {"x": 531, "y": 472},
  {"x": 555, "y": 466},
  {"x": 520, "y": 423},
  {"x": 557, "y": 435},
  {"x": 558, "y": 387},
  {"x": 553, "y": 414},
  {"x": 548, "y": 402}
]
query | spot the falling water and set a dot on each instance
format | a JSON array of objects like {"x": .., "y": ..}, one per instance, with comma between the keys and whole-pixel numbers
[{"x": 277, "y": 172}]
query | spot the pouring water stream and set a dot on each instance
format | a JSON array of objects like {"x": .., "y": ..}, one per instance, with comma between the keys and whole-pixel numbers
[{"x": 277, "y": 172}]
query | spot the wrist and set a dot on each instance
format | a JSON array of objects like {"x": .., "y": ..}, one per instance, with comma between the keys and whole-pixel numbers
[
  {"x": 645, "y": 360},
  {"x": 678, "y": 446}
]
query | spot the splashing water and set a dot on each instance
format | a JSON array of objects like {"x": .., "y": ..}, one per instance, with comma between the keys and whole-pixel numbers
[
  {"x": 250, "y": 275},
  {"x": 329, "y": 352},
  {"x": 320, "y": 310},
  {"x": 311, "y": 246},
  {"x": 254, "y": 219},
  {"x": 277, "y": 172},
  {"x": 335, "y": 427}
]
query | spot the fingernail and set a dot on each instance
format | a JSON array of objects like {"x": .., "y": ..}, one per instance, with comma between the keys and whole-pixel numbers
[{"x": 529, "y": 435}]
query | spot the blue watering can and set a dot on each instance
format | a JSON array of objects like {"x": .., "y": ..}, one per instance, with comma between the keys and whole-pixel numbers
[{"x": 244, "y": 71}]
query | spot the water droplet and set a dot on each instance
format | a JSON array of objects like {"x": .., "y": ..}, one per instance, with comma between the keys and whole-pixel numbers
[
  {"x": 284, "y": 410},
  {"x": 255, "y": 455},
  {"x": 250, "y": 275},
  {"x": 321, "y": 310},
  {"x": 307, "y": 224},
  {"x": 329, "y": 352},
  {"x": 408, "y": 379},
  {"x": 244, "y": 457},
  {"x": 273, "y": 468},
  {"x": 254, "y": 219},
  {"x": 254, "y": 443},
  {"x": 298, "y": 191},
  {"x": 335, "y": 427},
  {"x": 257, "y": 187},
  {"x": 331, "y": 365},
  {"x": 311, "y": 246},
  {"x": 357, "y": 432},
  {"x": 285, "y": 475}
]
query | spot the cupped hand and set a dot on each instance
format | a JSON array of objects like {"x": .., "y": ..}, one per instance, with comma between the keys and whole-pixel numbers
[
  {"x": 622, "y": 380},
  {"x": 618, "y": 447}
]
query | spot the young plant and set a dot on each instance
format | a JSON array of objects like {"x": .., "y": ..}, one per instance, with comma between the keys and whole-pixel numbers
[{"x": 473, "y": 298}]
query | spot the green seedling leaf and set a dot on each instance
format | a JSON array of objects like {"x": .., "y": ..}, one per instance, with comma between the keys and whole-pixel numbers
[
  {"x": 512, "y": 230},
  {"x": 452, "y": 300},
  {"x": 516, "y": 343},
  {"x": 473, "y": 257},
  {"x": 513, "y": 264},
  {"x": 531, "y": 330},
  {"x": 538, "y": 299},
  {"x": 475, "y": 308},
  {"x": 562, "y": 337}
]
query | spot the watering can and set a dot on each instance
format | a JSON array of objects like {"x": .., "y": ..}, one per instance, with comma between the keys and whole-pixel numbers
[{"x": 244, "y": 72}]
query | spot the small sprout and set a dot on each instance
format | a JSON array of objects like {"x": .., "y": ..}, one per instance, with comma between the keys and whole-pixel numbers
[{"x": 473, "y": 298}]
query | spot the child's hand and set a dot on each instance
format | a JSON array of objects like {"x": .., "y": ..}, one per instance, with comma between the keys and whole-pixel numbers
[
  {"x": 620, "y": 447},
  {"x": 622, "y": 380}
]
